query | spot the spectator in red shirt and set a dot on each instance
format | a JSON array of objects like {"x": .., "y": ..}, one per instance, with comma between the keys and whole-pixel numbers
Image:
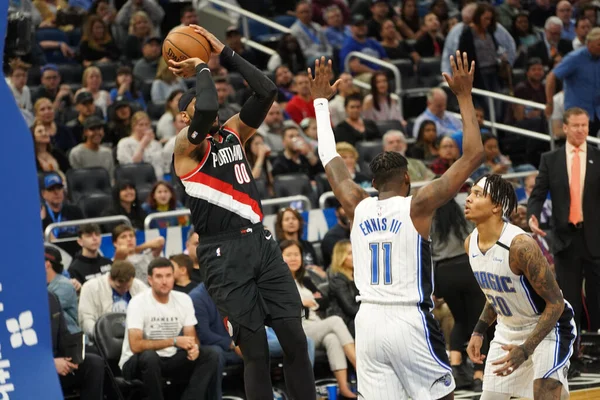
[
  {"x": 301, "y": 105},
  {"x": 447, "y": 154}
]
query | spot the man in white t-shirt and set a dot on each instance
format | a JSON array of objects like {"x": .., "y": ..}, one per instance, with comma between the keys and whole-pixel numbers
[{"x": 154, "y": 346}]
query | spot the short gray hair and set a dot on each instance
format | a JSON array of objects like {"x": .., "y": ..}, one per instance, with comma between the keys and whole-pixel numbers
[
  {"x": 432, "y": 92},
  {"x": 593, "y": 35},
  {"x": 394, "y": 133},
  {"x": 554, "y": 20},
  {"x": 468, "y": 11}
]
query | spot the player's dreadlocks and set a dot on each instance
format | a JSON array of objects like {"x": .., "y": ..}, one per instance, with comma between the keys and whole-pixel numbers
[
  {"x": 501, "y": 192},
  {"x": 387, "y": 165}
]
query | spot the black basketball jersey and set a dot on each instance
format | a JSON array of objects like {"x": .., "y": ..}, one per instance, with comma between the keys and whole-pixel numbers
[{"x": 222, "y": 193}]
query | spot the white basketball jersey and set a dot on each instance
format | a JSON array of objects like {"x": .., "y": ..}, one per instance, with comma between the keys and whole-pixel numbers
[
  {"x": 511, "y": 295},
  {"x": 392, "y": 262}
]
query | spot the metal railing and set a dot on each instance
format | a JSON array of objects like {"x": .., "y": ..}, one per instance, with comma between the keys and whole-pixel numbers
[
  {"x": 289, "y": 199},
  {"x": 165, "y": 214},
  {"x": 257, "y": 46},
  {"x": 79, "y": 222}
]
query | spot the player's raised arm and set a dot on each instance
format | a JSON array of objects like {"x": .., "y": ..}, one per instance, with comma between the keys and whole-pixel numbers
[
  {"x": 255, "y": 109},
  {"x": 441, "y": 190},
  {"x": 527, "y": 258},
  {"x": 346, "y": 190}
]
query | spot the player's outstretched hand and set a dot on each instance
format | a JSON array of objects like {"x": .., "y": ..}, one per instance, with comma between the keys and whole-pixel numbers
[
  {"x": 474, "y": 349},
  {"x": 510, "y": 362},
  {"x": 461, "y": 81},
  {"x": 319, "y": 85},
  {"x": 185, "y": 68},
  {"x": 216, "y": 45}
]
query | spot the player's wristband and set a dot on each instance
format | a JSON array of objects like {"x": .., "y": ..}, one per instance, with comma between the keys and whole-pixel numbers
[
  {"x": 477, "y": 334},
  {"x": 522, "y": 347},
  {"x": 481, "y": 327}
]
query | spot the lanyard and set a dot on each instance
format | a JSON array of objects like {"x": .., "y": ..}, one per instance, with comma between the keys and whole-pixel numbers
[
  {"x": 310, "y": 33},
  {"x": 54, "y": 218}
]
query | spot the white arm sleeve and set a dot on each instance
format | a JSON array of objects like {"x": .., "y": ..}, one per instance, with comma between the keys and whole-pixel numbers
[{"x": 325, "y": 135}]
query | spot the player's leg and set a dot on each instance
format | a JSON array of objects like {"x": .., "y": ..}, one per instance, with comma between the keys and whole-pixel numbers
[
  {"x": 547, "y": 389},
  {"x": 257, "y": 372},
  {"x": 296, "y": 361}
]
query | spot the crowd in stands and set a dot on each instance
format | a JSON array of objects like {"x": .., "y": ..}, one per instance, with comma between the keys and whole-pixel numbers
[{"x": 101, "y": 105}]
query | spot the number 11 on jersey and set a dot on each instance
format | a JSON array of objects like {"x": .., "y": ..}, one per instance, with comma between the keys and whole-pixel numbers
[{"x": 386, "y": 256}]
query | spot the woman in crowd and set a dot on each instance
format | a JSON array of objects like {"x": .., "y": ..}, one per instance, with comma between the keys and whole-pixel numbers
[
  {"x": 140, "y": 28},
  {"x": 60, "y": 136},
  {"x": 409, "y": 21},
  {"x": 288, "y": 53},
  {"x": 342, "y": 290},
  {"x": 522, "y": 31},
  {"x": 165, "y": 129},
  {"x": 456, "y": 284},
  {"x": 47, "y": 158},
  {"x": 354, "y": 128},
  {"x": 125, "y": 203},
  {"x": 330, "y": 332},
  {"x": 448, "y": 153},
  {"x": 104, "y": 10},
  {"x": 92, "y": 82},
  {"x": 350, "y": 157},
  {"x": 165, "y": 83},
  {"x": 309, "y": 128},
  {"x": 141, "y": 146},
  {"x": 163, "y": 198},
  {"x": 97, "y": 44},
  {"x": 257, "y": 154},
  {"x": 127, "y": 89},
  {"x": 381, "y": 104},
  {"x": 440, "y": 9},
  {"x": 119, "y": 122},
  {"x": 494, "y": 162},
  {"x": 426, "y": 147}
]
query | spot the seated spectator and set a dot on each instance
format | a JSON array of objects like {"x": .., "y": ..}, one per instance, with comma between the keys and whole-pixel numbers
[
  {"x": 494, "y": 162},
  {"x": 141, "y": 146},
  {"x": 442, "y": 12},
  {"x": 445, "y": 124},
  {"x": 167, "y": 151},
  {"x": 409, "y": 21},
  {"x": 297, "y": 156},
  {"x": 330, "y": 332},
  {"x": 394, "y": 46},
  {"x": 426, "y": 147},
  {"x": 59, "y": 95},
  {"x": 354, "y": 128},
  {"x": 309, "y": 132},
  {"x": 127, "y": 89},
  {"x": 350, "y": 157},
  {"x": 417, "y": 171},
  {"x": 257, "y": 154},
  {"x": 154, "y": 13},
  {"x": 91, "y": 153},
  {"x": 124, "y": 202},
  {"x": 88, "y": 376},
  {"x": 583, "y": 26},
  {"x": 309, "y": 34},
  {"x": 337, "y": 107},
  {"x": 61, "y": 287},
  {"x": 165, "y": 129},
  {"x": 233, "y": 39},
  {"x": 589, "y": 11},
  {"x": 431, "y": 43},
  {"x": 84, "y": 104},
  {"x": 531, "y": 89},
  {"x": 92, "y": 82},
  {"x": 164, "y": 83},
  {"x": 119, "y": 122},
  {"x": 47, "y": 157},
  {"x": 140, "y": 30},
  {"x": 381, "y": 104},
  {"x": 284, "y": 80},
  {"x": 276, "y": 351},
  {"x": 145, "y": 69},
  {"x": 480, "y": 114},
  {"x": 564, "y": 11},
  {"x": 183, "y": 267},
  {"x": 17, "y": 82},
  {"x": 187, "y": 16},
  {"x": 108, "y": 293},
  {"x": 552, "y": 48},
  {"x": 97, "y": 44},
  {"x": 342, "y": 289},
  {"x": 226, "y": 108},
  {"x": 104, "y": 10},
  {"x": 289, "y": 225},
  {"x": 272, "y": 128},
  {"x": 153, "y": 348},
  {"x": 54, "y": 208},
  {"x": 88, "y": 263},
  {"x": 301, "y": 105},
  {"x": 361, "y": 69},
  {"x": 191, "y": 245},
  {"x": 336, "y": 31},
  {"x": 507, "y": 12},
  {"x": 126, "y": 248},
  {"x": 320, "y": 8},
  {"x": 380, "y": 10},
  {"x": 447, "y": 155},
  {"x": 163, "y": 198},
  {"x": 522, "y": 32},
  {"x": 340, "y": 231}
]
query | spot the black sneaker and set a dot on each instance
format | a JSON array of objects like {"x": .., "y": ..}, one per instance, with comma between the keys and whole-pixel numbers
[
  {"x": 462, "y": 381},
  {"x": 477, "y": 385}
]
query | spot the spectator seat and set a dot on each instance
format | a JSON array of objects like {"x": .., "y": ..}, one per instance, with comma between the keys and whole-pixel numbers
[
  {"x": 155, "y": 111},
  {"x": 367, "y": 151},
  {"x": 322, "y": 183},
  {"x": 139, "y": 173},
  {"x": 292, "y": 185},
  {"x": 430, "y": 66},
  {"x": 108, "y": 70},
  {"x": 388, "y": 125},
  {"x": 94, "y": 204},
  {"x": 85, "y": 181},
  {"x": 70, "y": 73},
  {"x": 407, "y": 73},
  {"x": 285, "y": 20}
]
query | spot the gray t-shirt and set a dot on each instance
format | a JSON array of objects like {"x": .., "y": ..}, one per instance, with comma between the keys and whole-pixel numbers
[
  {"x": 485, "y": 50},
  {"x": 82, "y": 157}
]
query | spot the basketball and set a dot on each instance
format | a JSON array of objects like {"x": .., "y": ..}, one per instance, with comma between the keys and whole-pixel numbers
[{"x": 183, "y": 43}]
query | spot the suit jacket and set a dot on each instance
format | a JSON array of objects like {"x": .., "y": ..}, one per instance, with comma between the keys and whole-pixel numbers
[
  {"x": 541, "y": 51},
  {"x": 553, "y": 179}
]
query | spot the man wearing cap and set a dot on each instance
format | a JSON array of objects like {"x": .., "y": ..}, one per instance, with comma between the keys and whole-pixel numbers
[
  {"x": 145, "y": 68},
  {"x": 233, "y": 39},
  {"x": 91, "y": 153},
  {"x": 61, "y": 287},
  {"x": 55, "y": 210},
  {"x": 84, "y": 104},
  {"x": 361, "y": 69},
  {"x": 60, "y": 95}
]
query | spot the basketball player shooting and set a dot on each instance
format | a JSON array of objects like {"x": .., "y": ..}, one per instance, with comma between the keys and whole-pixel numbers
[
  {"x": 405, "y": 356},
  {"x": 529, "y": 355},
  {"x": 245, "y": 272}
]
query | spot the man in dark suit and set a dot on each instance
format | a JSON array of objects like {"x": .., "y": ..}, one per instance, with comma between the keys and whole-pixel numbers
[
  {"x": 571, "y": 175},
  {"x": 551, "y": 49},
  {"x": 88, "y": 376}
]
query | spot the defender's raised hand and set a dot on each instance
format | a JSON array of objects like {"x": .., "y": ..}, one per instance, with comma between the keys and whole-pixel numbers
[
  {"x": 319, "y": 86},
  {"x": 461, "y": 81}
]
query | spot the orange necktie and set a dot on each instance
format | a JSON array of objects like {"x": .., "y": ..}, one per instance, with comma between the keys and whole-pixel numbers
[{"x": 575, "y": 189}]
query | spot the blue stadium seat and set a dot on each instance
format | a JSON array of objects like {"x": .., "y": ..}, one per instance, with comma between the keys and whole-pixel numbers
[
  {"x": 257, "y": 29},
  {"x": 94, "y": 204},
  {"x": 85, "y": 181},
  {"x": 285, "y": 20}
]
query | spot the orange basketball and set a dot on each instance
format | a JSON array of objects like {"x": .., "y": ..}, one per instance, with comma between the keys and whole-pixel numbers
[{"x": 183, "y": 43}]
